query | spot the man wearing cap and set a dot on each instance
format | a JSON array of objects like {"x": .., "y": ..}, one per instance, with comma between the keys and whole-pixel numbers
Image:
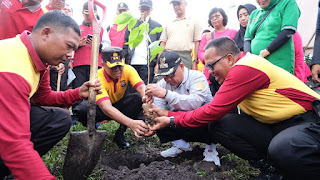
[
  {"x": 181, "y": 89},
  {"x": 138, "y": 57},
  {"x": 182, "y": 35},
  {"x": 82, "y": 56},
  {"x": 117, "y": 37},
  {"x": 114, "y": 103}
]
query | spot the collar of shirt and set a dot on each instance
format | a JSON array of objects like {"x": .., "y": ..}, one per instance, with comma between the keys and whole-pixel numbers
[{"x": 40, "y": 66}]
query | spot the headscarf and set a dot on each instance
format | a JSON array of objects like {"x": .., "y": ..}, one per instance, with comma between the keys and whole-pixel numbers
[{"x": 239, "y": 37}]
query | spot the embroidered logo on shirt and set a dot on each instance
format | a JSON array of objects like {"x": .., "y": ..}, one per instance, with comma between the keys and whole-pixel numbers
[
  {"x": 123, "y": 83},
  {"x": 200, "y": 85}
]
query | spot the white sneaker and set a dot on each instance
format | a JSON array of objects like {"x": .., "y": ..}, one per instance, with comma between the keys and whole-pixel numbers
[
  {"x": 211, "y": 156},
  {"x": 174, "y": 151}
]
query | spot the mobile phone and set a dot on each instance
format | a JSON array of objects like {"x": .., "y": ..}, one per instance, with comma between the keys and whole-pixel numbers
[{"x": 89, "y": 36}]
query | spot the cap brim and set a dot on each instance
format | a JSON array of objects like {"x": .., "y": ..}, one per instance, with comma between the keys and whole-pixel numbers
[
  {"x": 118, "y": 63},
  {"x": 166, "y": 71},
  {"x": 145, "y": 5}
]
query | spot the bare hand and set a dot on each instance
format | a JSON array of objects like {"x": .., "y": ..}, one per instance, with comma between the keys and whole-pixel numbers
[
  {"x": 84, "y": 89},
  {"x": 83, "y": 41},
  {"x": 138, "y": 127},
  {"x": 155, "y": 90},
  {"x": 60, "y": 68},
  {"x": 194, "y": 66},
  {"x": 149, "y": 133},
  {"x": 315, "y": 71},
  {"x": 160, "y": 122},
  {"x": 89, "y": 41},
  {"x": 158, "y": 111},
  {"x": 70, "y": 65}
]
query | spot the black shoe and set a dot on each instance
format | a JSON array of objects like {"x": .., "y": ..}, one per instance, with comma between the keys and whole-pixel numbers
[{"x": 120, "y": 139}]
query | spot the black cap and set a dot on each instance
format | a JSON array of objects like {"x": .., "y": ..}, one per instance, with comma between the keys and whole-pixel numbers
[
  {"x": 175, "y": 1},
  {"x": 85, "y": 8},
  {"x": 122, "y": 6},
  {"x": 147, "y": 3},
  {"x": 113, "y": 56},
  {"x": 168, "y": 63}
]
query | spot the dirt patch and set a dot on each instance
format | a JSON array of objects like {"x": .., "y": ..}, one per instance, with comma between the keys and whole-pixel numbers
[{"x": 143, "y": 162}]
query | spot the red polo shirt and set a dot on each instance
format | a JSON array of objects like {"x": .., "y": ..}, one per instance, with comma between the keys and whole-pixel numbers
[{"x": 14, "y": 18}]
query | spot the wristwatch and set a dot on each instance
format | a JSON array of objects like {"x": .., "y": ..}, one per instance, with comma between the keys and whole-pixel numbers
[
  {"x": 196, "y": 61},
  {"x": 172, "y": 124}
]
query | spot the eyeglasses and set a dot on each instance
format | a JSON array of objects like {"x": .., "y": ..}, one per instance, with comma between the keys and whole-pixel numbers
[
  {"x": 217, "y": 16},
  {"x": 210, "y": 66}
]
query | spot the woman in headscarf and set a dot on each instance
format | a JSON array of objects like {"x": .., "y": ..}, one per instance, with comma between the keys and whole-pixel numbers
[
  {"x": 243, "y": 14},
  {"x": 272, "y": 38}
]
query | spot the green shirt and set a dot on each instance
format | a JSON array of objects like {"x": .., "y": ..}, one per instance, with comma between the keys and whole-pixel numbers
[{"x": 285, "y": 15}]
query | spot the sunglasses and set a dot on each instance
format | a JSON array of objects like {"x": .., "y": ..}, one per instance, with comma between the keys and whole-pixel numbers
[{"x": 210, "y": 66}]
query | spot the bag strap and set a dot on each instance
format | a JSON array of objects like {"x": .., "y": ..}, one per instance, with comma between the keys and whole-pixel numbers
[
  {"x": 255, "y": 31},
  {"x": 212, "y": 35}
]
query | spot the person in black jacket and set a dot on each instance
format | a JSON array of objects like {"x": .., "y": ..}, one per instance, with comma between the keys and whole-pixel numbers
[{"x": 138, "y": 57}]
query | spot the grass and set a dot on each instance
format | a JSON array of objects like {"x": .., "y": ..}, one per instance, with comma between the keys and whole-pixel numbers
[{"x": 54, "y": 159}]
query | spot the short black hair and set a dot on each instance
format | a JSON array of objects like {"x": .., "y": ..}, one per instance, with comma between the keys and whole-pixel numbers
[
  {"x": 57, "y": 19},
  {"x": 223, "y": 13},
  {"x": 224, "y": 45}
]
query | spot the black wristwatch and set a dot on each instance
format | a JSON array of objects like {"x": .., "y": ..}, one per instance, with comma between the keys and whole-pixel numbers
[{"x": 172, "y": 124}]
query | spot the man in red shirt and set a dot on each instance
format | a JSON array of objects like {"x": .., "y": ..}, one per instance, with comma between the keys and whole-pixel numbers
[
  {"x": 55, "y": 5},
  {"x": 117, "y": 37},
  {"x": 278, "y": 130},
  {"x": 28, "y": 129},
  {"x": 17, "y": 16}
]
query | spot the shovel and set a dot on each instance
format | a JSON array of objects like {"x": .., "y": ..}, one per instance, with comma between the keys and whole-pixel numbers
[{"x": 85, "y": 147}]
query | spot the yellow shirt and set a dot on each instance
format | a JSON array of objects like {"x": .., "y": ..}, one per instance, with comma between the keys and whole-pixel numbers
[{"x": 113, "y": 89}]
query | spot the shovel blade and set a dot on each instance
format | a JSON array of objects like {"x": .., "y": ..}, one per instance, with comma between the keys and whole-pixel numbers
[{"x": 83, "y": 154}]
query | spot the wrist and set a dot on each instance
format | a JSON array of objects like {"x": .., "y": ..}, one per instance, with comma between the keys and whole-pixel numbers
[
  {"x": 196, "y": 61},
  {"x": 165, "y": 94},
  {"x": 172, "y": 124}
]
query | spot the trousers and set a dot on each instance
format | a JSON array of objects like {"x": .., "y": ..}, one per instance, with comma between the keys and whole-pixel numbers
[{"x": 48, "y": 125}]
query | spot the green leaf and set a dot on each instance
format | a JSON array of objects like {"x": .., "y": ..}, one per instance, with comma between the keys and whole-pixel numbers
[
  {"x": 156, "y": 30},
  {"x": 121, "y": 27},
  {"x": 154, "y": 45},
  {"x": 138, "y": 40},
  {"x": 156, "y": 50},
  {"x": 134, "y": 34},
  {"x": 123, "y": 18},
  {"x": 132, "y": 23},
  {"x": 152, "y": 57}
]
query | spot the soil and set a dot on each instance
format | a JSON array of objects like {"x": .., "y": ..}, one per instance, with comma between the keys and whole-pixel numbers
[{"x": 143, "y": 162}]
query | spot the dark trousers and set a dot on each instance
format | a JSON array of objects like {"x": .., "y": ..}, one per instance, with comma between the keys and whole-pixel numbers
[
  {"x": 129, "y": 105},
  {"x": 292, "y": 146},
  {"x": 82, "y": 74},
  {"x": 48, "y": 125},
  {"x": 64, "y": 78},
  {"x": 200, "y": 134}
]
